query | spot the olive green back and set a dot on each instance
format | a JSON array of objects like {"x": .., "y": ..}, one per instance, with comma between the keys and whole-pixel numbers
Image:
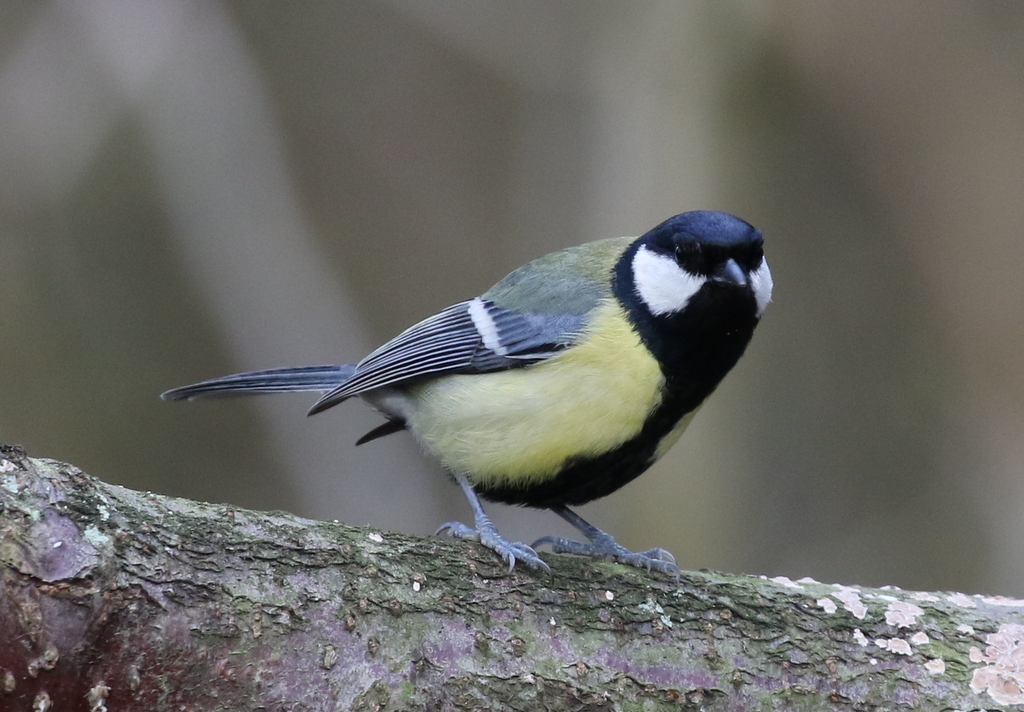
[{"x": 570, "y": 281}]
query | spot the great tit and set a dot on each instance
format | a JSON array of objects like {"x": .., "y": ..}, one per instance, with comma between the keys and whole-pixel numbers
[{"x": 565, "y": 380}]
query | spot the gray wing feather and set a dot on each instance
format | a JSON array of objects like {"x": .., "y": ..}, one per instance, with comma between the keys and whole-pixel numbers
[
  {"x": 456, "y": 341},
  {"x": 530, "y": 315}
]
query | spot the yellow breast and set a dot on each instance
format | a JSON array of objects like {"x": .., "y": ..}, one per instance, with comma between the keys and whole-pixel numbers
[{"x": 521, "y": 425}]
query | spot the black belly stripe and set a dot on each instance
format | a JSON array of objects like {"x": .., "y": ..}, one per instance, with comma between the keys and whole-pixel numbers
[{"x": 696, "y": 349}]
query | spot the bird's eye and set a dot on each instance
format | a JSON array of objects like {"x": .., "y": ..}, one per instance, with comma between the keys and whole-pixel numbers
[
  {"x": 690, "y": 257},
  {"x": 687, "y": 251}
]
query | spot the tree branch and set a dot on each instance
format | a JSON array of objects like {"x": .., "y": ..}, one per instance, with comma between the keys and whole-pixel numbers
[{"x": 121, "y": 600}]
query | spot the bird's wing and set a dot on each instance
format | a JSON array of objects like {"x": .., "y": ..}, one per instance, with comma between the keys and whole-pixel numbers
[
  {"x": 475, "y": 336},
  {"x": 529, "y": 316}
]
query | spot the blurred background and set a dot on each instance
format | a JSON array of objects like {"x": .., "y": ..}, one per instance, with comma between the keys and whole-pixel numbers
[{"x": 190, "y": 188}]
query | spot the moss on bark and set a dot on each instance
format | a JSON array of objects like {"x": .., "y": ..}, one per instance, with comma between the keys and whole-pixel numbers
[{"x": 122, "y": 600}]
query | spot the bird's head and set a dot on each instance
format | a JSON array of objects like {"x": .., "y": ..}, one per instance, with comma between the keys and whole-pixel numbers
[
  {"x": 695, "y": 288},
  {"x": 702, "y": 252}
]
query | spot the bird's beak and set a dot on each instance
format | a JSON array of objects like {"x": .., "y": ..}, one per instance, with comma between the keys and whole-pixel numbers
[{"x": 731, "y": 274}]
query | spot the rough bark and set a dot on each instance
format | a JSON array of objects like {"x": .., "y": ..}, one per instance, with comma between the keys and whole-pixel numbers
[{"x": 113, "y": 599}]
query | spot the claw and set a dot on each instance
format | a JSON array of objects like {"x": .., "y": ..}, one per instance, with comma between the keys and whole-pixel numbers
[
  {"x": 486, "y": 533},
  {"x": 659, "y": 554},
  {"x": 603, "y": 545},
  {"x": 458, "y": 530},
  {"x": 510, "y": 551}
]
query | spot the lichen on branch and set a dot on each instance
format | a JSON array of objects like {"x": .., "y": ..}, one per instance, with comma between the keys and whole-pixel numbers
[{"x": 122, "y": 600}]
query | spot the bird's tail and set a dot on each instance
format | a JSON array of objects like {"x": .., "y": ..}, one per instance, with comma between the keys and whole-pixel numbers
[{"x": 276, "y": 380}]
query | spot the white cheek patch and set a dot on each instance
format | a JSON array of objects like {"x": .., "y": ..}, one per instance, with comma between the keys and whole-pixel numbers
[
  {"x": 761, "y": 283},
  {"x": 662, "y": 284}
]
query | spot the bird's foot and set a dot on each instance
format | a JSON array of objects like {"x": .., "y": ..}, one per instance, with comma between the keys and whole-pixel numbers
[
  {"x": 603, "y": 545},
  {"x": 487, "y": 534}
]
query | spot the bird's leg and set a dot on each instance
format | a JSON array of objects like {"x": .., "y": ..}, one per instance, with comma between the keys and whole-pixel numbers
[
  {"x": 487, "y": 534},
  {"x": 602, "y": 544}
]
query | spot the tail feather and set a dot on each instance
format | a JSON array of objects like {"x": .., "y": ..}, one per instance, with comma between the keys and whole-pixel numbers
[{"x": 276, "y": 380}]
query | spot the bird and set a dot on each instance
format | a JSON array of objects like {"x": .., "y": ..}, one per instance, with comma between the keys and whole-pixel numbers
[{"x": 564, "y": 381}]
